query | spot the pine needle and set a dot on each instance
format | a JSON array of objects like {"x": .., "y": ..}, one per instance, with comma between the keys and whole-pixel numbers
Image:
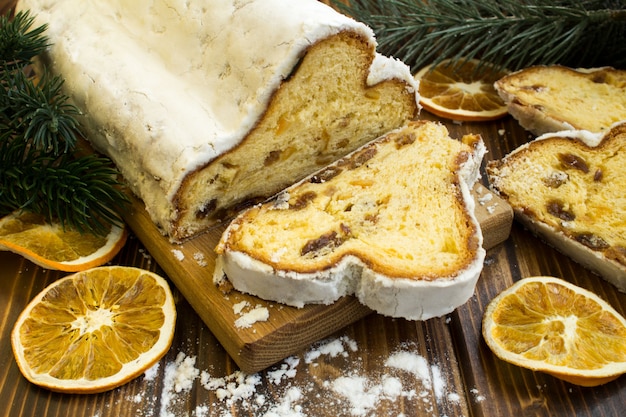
[
  {"x": 41, "y": 169},
  {"x": 19, "y": 42},
  {"x": 509, "y": 34}
]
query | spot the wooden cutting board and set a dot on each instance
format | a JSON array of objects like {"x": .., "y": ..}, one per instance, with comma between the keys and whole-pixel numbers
[{"x": 287, "y": 329}]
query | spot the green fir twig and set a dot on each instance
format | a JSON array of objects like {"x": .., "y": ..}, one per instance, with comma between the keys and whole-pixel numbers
[
  {"x": 41, "y": 168},
  {"x": 510, "y": 34},
  {"x": 19, "y": 41},
  {"x": 42, "y": 110}
]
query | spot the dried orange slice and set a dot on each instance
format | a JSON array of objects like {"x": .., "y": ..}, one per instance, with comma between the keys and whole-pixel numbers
[
  {"x": 457, "y": 91},
  {"x": 95, "y": 330},
  {"x": 550, "y": 325},
  {"x": 51, "y": 246}
]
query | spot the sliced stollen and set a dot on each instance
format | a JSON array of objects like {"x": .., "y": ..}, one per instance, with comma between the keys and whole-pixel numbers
[
  {"x": 392, "y": 223},
  {"x": 547, "y": 99},
  {"x": 209, "y": 107},
  {"x": 570, "y": 189}
]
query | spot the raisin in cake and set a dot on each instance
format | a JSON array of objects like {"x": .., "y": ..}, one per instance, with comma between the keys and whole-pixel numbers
[
  {"x": 208, "y": 106},
  {"x": 570, "y": 188},
  {"x": 552, "y": 98},
  {"x": 392, "y": 223}
]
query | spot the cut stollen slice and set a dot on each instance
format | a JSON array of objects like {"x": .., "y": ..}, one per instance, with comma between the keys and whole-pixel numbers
[
  {"x": 569, "y": 189},
  {"x": 552, "y": 98},
  {"x": 550, "y": 325},
  {"x": 392, "y": 223},
  {"x": 95, "y": 330}
]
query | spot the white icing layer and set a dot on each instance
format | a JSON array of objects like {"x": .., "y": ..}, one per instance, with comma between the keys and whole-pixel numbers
[{"x": 591, "y": 139}]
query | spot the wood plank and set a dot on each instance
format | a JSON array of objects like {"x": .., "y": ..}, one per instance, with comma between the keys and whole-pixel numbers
[{"x": 288, "y": 329}]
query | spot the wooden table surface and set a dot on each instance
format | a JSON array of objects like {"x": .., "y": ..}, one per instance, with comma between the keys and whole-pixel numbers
[{"x": 377, "y": 366}]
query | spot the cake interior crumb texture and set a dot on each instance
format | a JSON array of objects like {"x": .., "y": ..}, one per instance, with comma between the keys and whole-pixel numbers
[
  {"x": 321, "y": 113},
  {"x": 576, "y": 190},
  {"x": 392, "y": 223},
  {"x": 397, "y": 205}
]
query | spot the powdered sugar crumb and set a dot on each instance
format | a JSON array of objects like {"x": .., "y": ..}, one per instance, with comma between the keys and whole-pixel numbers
[
  {"x": 357, "y": 389},
  {"x": 178, "y": 254},
  {"x": 477, "y": 397},
  {"x": 330, "y": 368},
  {"x": 200, "y": 259},
  {"x": 201, "y": 411},
  {"x": 332, "y": 348},
  {"x": 179, "y": 377},
  {"x": 145, "y": 254},
  {"x": 287, "y": 407},
  {"x": 454, "y": 397},
  {"x": 238, "y": 307},
  {"x": 413, "y": 363},
  {"x": 152, "y": 372},
  {"x": 439, "y": 384},
  {"x": 286, "y": 370},
  {"x": 235, "y": 387}
]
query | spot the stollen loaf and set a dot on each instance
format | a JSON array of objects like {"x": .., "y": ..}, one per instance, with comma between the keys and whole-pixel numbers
[
  {"x": 392, "y": 223},
  {"x": 207, "y": 107}
]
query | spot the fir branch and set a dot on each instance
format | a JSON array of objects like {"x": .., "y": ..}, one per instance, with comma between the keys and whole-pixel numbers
[
  {"x": 19, "y": 42},
  {"x": 508, "y": 34},
  {"x": 42, "y": 110},
  {"x": 79, "y": 192},
  {"x": 41, "y": 169}
]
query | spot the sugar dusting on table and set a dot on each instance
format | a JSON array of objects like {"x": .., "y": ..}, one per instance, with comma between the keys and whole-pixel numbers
[{"x": 292, "y": 387}]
